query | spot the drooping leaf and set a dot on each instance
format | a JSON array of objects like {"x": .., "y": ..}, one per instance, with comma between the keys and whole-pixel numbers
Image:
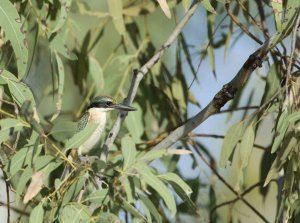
[
  {"x": 116, "y": 10},
  {"x": 164, "y": 7},
  {"x": 288, "y": 144},
  {"x": 282, "y": 126},
  {"x": 61, "y": 84},
  {"x": 75, "y": 213},
  {"x": 19, "y": 90},
  {"x": 12, "y": 25},
  {"x": 9, "y": 125},
  {"x": 172, "y": 177},
  {"x": 37, "y": 214},
  {"x": 134, "y": 123},
  {"x": 128, "y": 151},
  {"x": 97, "y": 196},
  {"x": 96, "y": 72},
  {"x": 151, "y": 207},
  {"x": 272, "y": 83},
  {"x": 231, "y": 139},
  {"x": 131, "y": 209},
  {"x": 65, "y": 6},
  {"x": 17, "y": 161},
  {"x": 153, "y": 181},
  {"x": 278, "y": 10},
  {"x": 80, "y": 137},
  {"x": 129, "y": 190},
  {"x": 206, "y": 4},
  {"x": 74, "y": 189},
  {"x": 63, "y": 130},
  {"x": 245, "y": 149}
]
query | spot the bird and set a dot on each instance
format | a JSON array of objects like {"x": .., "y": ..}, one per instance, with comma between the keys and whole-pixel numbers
[{"x": 96, "y": 113}]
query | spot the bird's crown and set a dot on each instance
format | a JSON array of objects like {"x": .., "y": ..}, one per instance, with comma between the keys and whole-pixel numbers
[{"x": 102, "y": 102}]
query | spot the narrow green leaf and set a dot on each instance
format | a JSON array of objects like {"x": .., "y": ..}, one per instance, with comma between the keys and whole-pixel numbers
[
  {"x": 12, "y": 25},
  {"x": 37, "y": 214},
  {"x": 8, "y": 126},
  {"x": 153, "y": 154},
  {"x": 272, "y": 83},
  {"x": 63, "y": 130},
  {"x": 42, "y": 161},
  {"x": 80, "y": 137},
  {"x": 172, "y": 177},
  {"x": 282, "y": 126},
  {"x": 61, "y": 83},
  {"x": 206, "y": 4},
  {"x": 19, "y": 90},
  {"x": 25, "y": 177},
  {"x": 129, "y": 190},
  {"x": 116, "y": 10},
  {"x": 231, "y": 139},
  {"x": 74, "y": 189},
  {"x": 75, "y": 213},
  {"x": 147, "y": 212},
  {"x": 179, "y": 93},
  {"x": 277, "y": 9},
  {"x": 288, "y": 145},
  {"x": 97, "y": 196},
  {"x": 16, "y": 162},
  {"x": 134, "y": 123},
  {"x": 294, "y": 117},
  {"x": 245, "y": 149},
  {"x": 151, "y": 207},
  {"x": 130, "y": 208},
  {"x": 128, "y": 151},
  {"x": 65, "y": 6},
  {"x": 246, "y": 146},
  {"x": 154, "y": 182},
  {"x": 96, "y": 72}
]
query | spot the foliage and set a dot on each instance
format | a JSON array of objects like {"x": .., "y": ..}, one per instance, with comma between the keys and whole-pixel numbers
[{"x": 57, "y": 54}]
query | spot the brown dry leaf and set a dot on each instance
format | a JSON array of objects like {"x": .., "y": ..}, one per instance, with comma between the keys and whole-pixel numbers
[
  {"x": 164, "y": 6},
  {"x": 34, "y": 187}
]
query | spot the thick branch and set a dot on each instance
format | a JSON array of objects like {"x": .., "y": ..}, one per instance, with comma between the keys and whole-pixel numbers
[
  {"x": 138, "y": 76},
  {"x": 221, "y": 98}
]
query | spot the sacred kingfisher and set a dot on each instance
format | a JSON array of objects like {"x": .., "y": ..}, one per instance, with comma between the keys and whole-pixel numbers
[{"x": 96, "y": 113}]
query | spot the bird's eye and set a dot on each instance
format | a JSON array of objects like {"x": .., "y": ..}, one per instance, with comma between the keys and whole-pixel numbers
[{"x": 109, "y": 103}]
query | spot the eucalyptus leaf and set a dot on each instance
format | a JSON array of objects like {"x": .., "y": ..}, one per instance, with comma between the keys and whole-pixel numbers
[
  {"x": 37, "y": 214},
  {"x": 116, "y": 10},
  {"x": 152, "y": 180},
  {"x": 11, "y": 24},
  {"x": 80, "y": 137},
  {"x": 151, "y": 207},
  {"x": 75, "y": 213},
  {"x": 128, "y": 151},
  {"x": 97, "y": 196},
  {"x": 232, "y": 137}
]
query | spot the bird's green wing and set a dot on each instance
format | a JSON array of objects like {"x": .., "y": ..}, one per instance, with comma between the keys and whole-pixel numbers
[{"x": 83, "y": 121}]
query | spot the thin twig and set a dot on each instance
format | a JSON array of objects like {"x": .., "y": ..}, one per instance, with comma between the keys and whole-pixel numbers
[
  {"x": 222, "y": 137},
  {"x": 238, "y": 109},
  {"x": 239, "y": 196},
  {"x": 138, "y": 76},
  {"x": 248, "y": 190}
]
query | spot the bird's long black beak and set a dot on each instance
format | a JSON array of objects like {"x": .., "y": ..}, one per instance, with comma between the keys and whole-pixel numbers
[{"x": 123, "y": 107}]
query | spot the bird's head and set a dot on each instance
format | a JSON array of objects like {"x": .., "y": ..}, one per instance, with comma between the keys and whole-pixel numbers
[{"x": 106, "y": 103}]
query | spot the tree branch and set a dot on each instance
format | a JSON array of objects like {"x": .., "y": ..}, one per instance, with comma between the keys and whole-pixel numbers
[
  {"x": 239, "y": 196},
  {"x": 138, "y": 76}
]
